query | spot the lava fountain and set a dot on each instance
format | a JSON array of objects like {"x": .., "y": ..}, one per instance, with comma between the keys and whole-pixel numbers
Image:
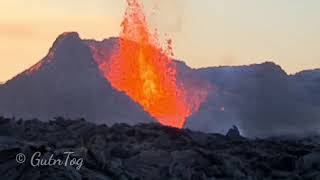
[{"x": 144, "y": 70}]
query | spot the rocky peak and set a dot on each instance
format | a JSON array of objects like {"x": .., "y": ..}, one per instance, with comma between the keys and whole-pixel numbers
[
  {"x": 68, "y": 36},
  {"x": 233, "y": 132}
]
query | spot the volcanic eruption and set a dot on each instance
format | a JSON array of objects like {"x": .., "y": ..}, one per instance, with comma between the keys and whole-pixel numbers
[{"x": 145, "y": 71}]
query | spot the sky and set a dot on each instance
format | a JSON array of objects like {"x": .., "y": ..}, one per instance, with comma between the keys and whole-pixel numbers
[{"x": 204, "y": 32}]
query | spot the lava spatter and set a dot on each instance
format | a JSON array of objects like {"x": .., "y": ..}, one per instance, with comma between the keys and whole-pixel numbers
[{"x": 145, "y": 71}]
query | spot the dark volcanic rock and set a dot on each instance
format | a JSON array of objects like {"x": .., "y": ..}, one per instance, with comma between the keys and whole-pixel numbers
[
  {"x": 149, "y": 151},
  {"x": 234, "y": 132}
]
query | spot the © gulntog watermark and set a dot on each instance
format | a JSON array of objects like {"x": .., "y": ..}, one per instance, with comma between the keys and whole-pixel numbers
[{"x": 37, "y": 160}]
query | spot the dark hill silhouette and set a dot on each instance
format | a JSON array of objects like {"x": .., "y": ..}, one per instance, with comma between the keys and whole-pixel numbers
[
  {"x": 310, "y": 80},
  {"x": 261, "y": 99},
  {"x": 67, "y": 83}
]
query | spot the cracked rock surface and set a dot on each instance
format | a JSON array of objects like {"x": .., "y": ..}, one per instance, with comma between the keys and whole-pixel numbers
[{"x": 150, "y": 152}]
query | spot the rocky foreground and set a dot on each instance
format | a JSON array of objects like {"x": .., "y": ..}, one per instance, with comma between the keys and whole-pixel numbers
[{"x": 149, "y": 152}]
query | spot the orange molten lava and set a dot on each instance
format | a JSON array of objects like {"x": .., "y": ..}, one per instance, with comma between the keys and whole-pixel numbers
[{"x": 145, "y": 72}]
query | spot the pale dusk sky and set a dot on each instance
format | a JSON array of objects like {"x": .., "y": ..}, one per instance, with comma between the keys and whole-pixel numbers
[{"x": 204, "y": 32}]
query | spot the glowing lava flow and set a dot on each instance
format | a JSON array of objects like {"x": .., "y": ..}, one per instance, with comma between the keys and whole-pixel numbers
[{"x": 145, "y": 72}]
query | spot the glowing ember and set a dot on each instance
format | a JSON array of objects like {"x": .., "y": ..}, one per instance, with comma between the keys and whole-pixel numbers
[{"x": 146, "y": 73}]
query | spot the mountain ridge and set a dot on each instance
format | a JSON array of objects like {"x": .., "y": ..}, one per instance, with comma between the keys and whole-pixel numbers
[{"x": 252, "y": 97}]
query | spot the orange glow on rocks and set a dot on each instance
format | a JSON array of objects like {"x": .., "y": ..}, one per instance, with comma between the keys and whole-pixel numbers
[{"x": 145, "y": 72}]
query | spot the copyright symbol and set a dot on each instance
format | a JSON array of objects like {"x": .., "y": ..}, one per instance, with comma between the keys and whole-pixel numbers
[{"x": 20, "y": 158}]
